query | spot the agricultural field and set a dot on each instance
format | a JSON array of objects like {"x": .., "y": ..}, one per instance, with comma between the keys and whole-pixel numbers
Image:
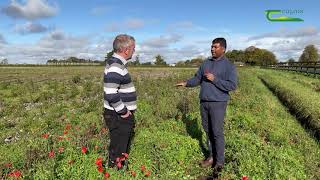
[{"x": 51, "y": 125}]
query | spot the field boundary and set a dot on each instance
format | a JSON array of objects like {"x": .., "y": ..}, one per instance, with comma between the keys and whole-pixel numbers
[{"x": 304, "y": 67}]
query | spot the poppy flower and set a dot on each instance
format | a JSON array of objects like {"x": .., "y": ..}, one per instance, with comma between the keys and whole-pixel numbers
[
  {"x": 147, "y": 173},
  {"x": 99, "y": 161},
  {"x": 125, "y": 155},
  {"x": 244, "y": 178},
  {"x": 84, "y": 150},
  {"x": 51, "y": 154},
  {"x": 15, "y": 173},
  {"x": 45, "y": 135},
  {"x": 106, "y": 175},
  {"x": 65, "y": 132},
  {"x": 67, "y": 127},
  {"x": 119, "y": 165},
  {"x": 133, "y": 173},
  {"x": 143, "y": 168},
  {"x": 60, "y": 138},
  {"x": 61, "y": 149},
  {"x": 100, "y": 169}
]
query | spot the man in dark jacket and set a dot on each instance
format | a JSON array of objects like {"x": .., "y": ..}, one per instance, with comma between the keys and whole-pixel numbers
[
  {"x": 119, "y": 99},
  {"x": 217, "y": 77}
]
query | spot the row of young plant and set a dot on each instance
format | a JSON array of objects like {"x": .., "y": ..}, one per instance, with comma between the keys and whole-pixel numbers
[
  {"x": 263, "y": 141},
  {"x": 302, "y": 100}
]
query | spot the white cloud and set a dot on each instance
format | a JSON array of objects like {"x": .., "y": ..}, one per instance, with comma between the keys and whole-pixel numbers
[
  {"x": 2, "y": 40},
  {"x": 32, "y": 9},
  {"x": 185, "y": 26},
  {"x": 162, "y": 41},
  {"x": 128, "y": 24},
  {"x": 100, "y": 10},
  {"x": 134, "y": 23},
  {"x": 29, "y": 28},
  {"x": 287, "y": 33},
  {"x": 289, "y": 44}
]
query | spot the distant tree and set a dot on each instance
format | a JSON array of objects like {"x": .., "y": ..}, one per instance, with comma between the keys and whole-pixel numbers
[
  {"x": 197, "y": 61},
  {"x": 136, "y": 62},
  {"x": 256, "y": 56},
  {"x": 310, "y": 54},
  {"x": 180, "y": 63},
  {"x": 236, "y": 56},
  {"x": 109, "y": 55},
  {"x": 4, "y": 61},
  {"x": 266, "y": 57},
  {"x": 291, "y": 61},
  {"x": 147, "y": 64},
  {"x": 160, "y": 60}
]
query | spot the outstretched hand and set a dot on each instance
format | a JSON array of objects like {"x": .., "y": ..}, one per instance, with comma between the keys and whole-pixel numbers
[{"x": 183, "y": 84}]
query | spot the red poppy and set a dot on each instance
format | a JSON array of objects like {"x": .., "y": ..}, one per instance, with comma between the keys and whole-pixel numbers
[
  {"x": 244, "y": 178},
  {"x": 45, "y": 135},
  {"x": 143, "y": 168},
  {"x": 65, "y": 132},
  {"x": 106, "y": 175},
  {"x": 60, "y": 138},
  {"x": 84, "y": 150},
  {"x": 100, "y": 169},
  {"x": 68, "y": 138},
  {"x": 68, "y": 127},
  {"x": 133, "y": 173},
  {"x": 119, "y": 165},
  {"x": 122, "y": 158},
  {"x": 15, "y": 173},
  {"x": 61, "y": 149},
  {"x": 125, "y": 155},
  {"x": 147, "y": 173},
  {"x": 51, "y": 154},
  {"x": 99, "y": 161}
]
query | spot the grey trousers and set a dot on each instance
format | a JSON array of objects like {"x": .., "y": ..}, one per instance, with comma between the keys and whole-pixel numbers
[{"x": 212, "y": 115}]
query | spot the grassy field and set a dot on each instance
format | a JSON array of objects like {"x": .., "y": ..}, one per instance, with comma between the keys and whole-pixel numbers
[{"x": 51, "y": 125}]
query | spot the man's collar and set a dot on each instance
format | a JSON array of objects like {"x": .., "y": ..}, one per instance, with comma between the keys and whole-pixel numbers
[
  {"x": 219, "y": 58},
  {"x": 115, "y": 55}
]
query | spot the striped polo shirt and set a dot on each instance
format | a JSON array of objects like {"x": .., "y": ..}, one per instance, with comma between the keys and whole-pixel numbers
[{"x": 119, "y": 92}]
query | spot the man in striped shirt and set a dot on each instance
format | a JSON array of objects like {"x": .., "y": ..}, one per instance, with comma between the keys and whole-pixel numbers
[{"x": 119, "y": 99}]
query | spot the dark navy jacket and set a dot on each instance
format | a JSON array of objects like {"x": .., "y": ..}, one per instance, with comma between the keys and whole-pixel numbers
[{"x": 225, "y": 79}]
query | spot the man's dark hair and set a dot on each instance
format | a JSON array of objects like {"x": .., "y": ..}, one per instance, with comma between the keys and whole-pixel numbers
[{"x": 221, "y": 41}]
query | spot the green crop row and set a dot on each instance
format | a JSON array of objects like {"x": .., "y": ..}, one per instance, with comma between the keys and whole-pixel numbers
[{"x": 304, "y": 102}]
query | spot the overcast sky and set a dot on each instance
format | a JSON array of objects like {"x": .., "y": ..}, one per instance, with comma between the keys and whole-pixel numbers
[{"x": 33, "y": 31}]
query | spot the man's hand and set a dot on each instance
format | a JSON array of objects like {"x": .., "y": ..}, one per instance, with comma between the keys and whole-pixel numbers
[
  {"x": 209, "y": 76},
  {"x": 126, "y": 115},
  {"x": 183, "y": 84}
]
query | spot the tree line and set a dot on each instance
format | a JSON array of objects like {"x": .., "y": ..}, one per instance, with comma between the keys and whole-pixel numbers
[
  {"x": 250, "y": 56},
  {"x": 74, "y": 60}
]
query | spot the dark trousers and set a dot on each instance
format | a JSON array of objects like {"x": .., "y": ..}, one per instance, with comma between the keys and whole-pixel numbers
[
  {"x": 212, "y": 115},
  {"x": 121, "y": 132}
]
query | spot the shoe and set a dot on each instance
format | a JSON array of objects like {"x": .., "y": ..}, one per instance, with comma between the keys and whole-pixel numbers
[
  {"x": 217, "y": 169},
  {"x": 207, "y": 162}
]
